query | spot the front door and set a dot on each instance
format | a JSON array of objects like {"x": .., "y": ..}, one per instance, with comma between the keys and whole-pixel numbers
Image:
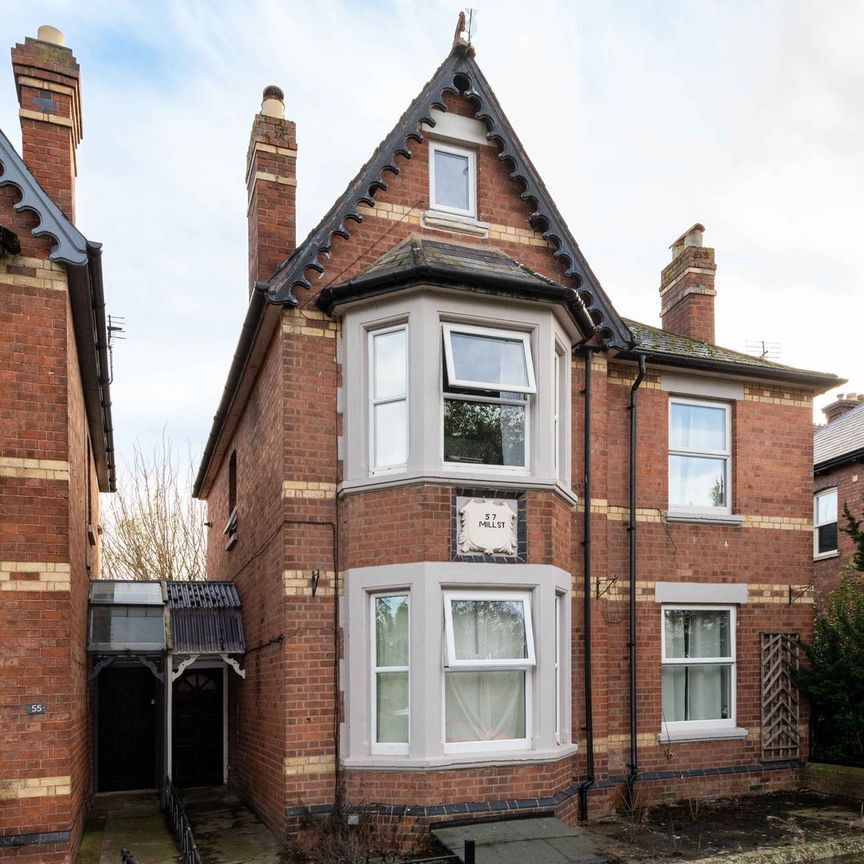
[
  {"x": 126, "y": 744},
  {"x": 197, "y": 729}
]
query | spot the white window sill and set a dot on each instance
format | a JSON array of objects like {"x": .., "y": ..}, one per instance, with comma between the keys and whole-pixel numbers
[
  {"x": 704, "y": 518},
  {"x": 825, "y": 555},
  {"x": 458, "y": 478},
  {"x": 455, "y": 222},
  {"x": 459, "y": 761},
  {"x": 681, "y": 736}
]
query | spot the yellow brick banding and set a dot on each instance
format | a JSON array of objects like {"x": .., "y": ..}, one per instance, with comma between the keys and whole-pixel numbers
[
  {"x": 39, "y": 469},
  {"x": 309, "y": 764},
  {"x": 778, "y": 523},
  {"x": 51, "y": 576},
  {"x": 46, "y": 118},
  {"x": 270, "y": 148},
  {"x": 48, "y": 275},
  {"x": 35, "y": 787},
  {"x": 275, "y": 178},
  {"x": 625, "y": 378},
  {"x": 773, "y": 593},
  {"x": 298, "y": 583},
  {"x": 791, "y": 399},
  {"x": 305, "y": 489}
]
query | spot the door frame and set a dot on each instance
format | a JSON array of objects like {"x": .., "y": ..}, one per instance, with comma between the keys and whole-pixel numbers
[{"x": 200, "y": 663}]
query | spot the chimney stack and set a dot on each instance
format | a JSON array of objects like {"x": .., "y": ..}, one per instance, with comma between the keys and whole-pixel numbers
[
  {"x": 271, "y": 182},
  {"x": 687, "y": 288},
  {"x": 844, "y": 402},
  {"x": 47, "y": 79}
]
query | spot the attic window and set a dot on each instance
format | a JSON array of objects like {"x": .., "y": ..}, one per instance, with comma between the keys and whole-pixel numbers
[{"x": 452, "y": 179}]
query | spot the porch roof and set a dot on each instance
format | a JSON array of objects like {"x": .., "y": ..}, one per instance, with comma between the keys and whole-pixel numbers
[{"x": 205, "y": 618}]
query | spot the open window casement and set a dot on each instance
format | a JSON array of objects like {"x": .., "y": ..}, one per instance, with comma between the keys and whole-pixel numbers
[
  {"x": 480, "y": 358},
  {"x": 488, "y": 629}
]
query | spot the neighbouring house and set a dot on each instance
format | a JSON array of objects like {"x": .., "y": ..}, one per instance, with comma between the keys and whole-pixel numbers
[
  {"x": 499, "y": 549},
  {"x": 56, "y": 456},
  {"x": 838, "y": 479}
]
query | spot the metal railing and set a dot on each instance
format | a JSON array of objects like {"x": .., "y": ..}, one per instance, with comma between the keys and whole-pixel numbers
[{"x": 180, "y": 826}]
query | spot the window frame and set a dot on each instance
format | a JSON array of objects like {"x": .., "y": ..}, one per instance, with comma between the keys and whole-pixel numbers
[
  {"x": 372, "y": 402},
  {"x": 707, "y": 726},
  {"x": 828, "y": 553},
  {"x": 452, "y": 663},
  {"x": 449, "y": 327},
  {"x": 391, "y": 748},
  {"x": 726, "y": 455},
  {"x": 471, "y": 154},
  {"x": 526, "y": 392}
]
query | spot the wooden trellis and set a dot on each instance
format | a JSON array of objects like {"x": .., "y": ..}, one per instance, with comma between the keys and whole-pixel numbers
[{"x": 780, "y": 699}]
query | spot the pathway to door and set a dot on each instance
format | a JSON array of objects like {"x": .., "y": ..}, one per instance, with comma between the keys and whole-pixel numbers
[{"x": 225, "y": 831}]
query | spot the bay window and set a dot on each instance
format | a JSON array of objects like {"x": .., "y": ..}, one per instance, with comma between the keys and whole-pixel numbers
[
  {"x": 489, "y": 646},
  {"x": 825, "y": 523},
  {"x": 488, "y": 375},
  {"x": 699, "y": 456},
  {"x": 698, "y": 657}
]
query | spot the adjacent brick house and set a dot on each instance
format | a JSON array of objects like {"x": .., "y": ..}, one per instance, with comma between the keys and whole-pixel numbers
[
  {"x": 447, "y": 522},
  {"x": 56, "y": 455},
  {"x": 838, "y": 468}
]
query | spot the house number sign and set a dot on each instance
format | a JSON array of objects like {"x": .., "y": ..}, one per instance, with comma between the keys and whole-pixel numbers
[
  {"x": 488, "y": 527},
  {"x": 36, "y": 708}
]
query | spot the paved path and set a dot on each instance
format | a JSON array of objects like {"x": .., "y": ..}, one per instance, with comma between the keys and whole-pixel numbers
[
  {"x": 226, "y": 832},
  {"x": 516, "y": 841},
  {"x": 131, "y": 820}
]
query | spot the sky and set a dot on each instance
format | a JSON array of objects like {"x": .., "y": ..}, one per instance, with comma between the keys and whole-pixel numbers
[{"x": 642, "y": 116}]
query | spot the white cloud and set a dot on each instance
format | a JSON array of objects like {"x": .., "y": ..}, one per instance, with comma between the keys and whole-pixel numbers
[{"x": 642, "y": 118}]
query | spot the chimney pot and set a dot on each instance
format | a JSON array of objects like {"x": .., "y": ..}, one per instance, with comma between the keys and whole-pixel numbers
[
  {"x": 47, "y": 33},
  {"x": 273, "y": 103}
]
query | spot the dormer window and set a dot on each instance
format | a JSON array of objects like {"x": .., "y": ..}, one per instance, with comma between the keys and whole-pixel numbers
[
  {"x": 488, "y": 375},
  {"x": 452, "y": 179}
]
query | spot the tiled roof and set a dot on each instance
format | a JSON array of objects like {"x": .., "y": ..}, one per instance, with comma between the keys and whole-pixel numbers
[
  {"x": 205, "y": 618},
  {"x": 663, "y": 344},
  {"x": 843, "y": 437},
  {"x": 421, "y": 253}
]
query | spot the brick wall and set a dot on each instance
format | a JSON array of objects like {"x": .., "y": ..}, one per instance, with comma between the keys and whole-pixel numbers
[
  {"x": 849, "y": 482},
  {"x": 286, "y": 442}
]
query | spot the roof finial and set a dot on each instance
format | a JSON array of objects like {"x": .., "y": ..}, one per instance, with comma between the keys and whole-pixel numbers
[{"x": 460, "y": 29}]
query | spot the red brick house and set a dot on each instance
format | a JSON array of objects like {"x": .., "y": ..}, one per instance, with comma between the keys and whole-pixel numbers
[
  {"x": 838, "y": 473},
  {"x": 475, "y": 580},
  {"x": 56, "y": 455}
]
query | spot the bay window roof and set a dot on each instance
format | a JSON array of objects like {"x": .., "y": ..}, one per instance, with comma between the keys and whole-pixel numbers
[{"x": 418, "y": 260}]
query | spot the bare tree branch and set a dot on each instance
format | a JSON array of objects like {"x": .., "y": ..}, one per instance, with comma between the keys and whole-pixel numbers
[{"x": 152, "y": 526}]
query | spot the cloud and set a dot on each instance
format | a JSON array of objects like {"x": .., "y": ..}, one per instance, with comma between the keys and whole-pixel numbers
[{"x": 642, "y": 118}]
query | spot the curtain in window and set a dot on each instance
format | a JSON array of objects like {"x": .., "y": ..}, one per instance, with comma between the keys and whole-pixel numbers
[
  {"x": 696, "y": 481},
  {"x": 485, "y": 706},
  {"x": 697, "y": 692},
  {"x": 697, "y": 427},
  {"x": 489, "y": 629}
]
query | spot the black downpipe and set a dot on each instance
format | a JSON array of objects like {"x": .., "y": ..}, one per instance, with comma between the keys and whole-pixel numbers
[
  {"x": 586, "y": 595},
  {"x": 633, "y": 774}
]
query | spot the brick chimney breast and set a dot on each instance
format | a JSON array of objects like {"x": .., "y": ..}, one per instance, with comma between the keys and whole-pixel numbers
[
  {"x": 47, "y": 79},
  {"x": 687, "y": 288},
  {"x": 844, "y": 403},
  {"x": 271, "y": 182}
]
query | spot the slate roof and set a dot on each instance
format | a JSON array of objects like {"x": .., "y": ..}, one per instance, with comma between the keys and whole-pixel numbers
[
  {"x": 205, "y": 618},
  {"x": 841, "y": 440},
  {"x": 420, "y": 252},
  {"x": 671, "y": 348},
  {"x": 458, "y": 74}
]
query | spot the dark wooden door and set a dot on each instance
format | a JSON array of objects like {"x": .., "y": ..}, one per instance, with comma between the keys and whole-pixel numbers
[
  {"x": 197, "y": 735},
  {"x": 127, "y": 729}
]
